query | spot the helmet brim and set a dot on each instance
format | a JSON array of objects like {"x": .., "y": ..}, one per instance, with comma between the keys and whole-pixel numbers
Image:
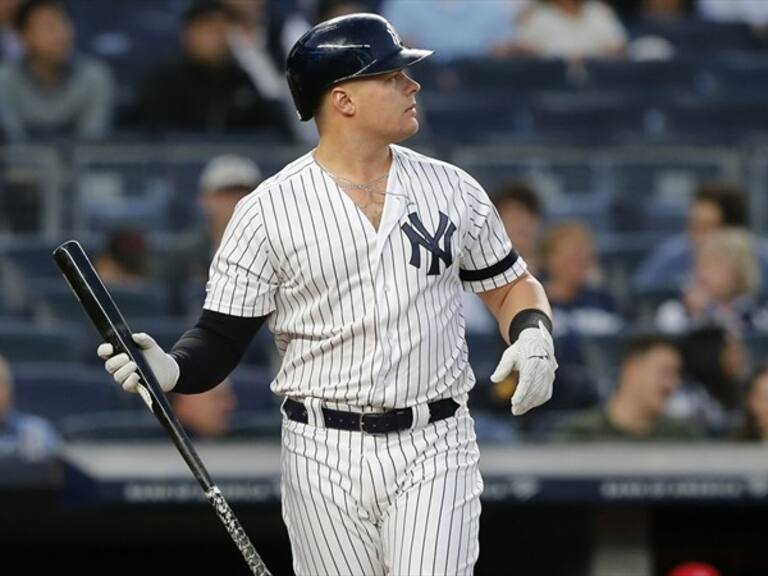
[{"x": 396, "y": 61}]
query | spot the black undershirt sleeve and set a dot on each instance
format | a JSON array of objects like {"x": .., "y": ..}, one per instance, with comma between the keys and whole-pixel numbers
[{"x": 209, "y": 351}]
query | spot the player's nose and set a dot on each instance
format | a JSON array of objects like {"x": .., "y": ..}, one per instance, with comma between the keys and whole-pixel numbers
[{"x": 412, "y": 87}]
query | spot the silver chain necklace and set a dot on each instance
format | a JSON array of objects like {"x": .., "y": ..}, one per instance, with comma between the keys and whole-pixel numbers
[{"x": 347, "y": 183}]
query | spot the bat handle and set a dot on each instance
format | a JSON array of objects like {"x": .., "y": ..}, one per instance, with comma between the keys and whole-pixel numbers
[{"x": 238, "y": 535}]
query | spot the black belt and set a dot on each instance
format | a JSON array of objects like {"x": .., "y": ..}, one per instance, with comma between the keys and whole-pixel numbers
[{"x": 373, "y": 423}]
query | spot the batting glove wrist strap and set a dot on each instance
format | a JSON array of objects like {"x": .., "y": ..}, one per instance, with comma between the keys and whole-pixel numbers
[{"x": 528, "y": 318}]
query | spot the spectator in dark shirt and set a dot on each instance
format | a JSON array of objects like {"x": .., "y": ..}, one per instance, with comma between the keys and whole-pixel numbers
[
  {"x": 205, "y": 89},
  {"x": 716, "y": 364},
  {"x": 51, "y": 91},
  {"x": 650, "y": 372}
]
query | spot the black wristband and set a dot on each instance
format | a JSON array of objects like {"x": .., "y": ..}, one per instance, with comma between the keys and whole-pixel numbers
[{"x": 528, "y": 318}]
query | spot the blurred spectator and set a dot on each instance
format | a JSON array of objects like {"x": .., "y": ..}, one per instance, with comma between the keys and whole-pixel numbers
[
  {"x": 52, "y": 91},
  {"x": 715, "y": 363},
  {"x": 571, "y": 29},
  {"x": 724, "y": 288},
  {"x": 649, "y": 373},
  {"x": 520, "y": 210},
  {"x": 714, "y": 206},
  {"x": 21, "y": 434},
  {"x": 224, "y": 181},
  {"x": 248, "y": 42},
  {"x": 655, "y": 9},
  {"x": 207, "y": 415},
  {"x": 752, "y": 12},
  {"x": 327, "y": 9},
  {"x": 271, "y": 27},
  {"x": 454, "y": 28},
  {"x": 10, "y": 44},
  {"x": 125, "y": 259},
  {"x": 581, "y": 309},
  {"x": 204, "y": 89},
  {"x": 571, "y": 278},
  {"x": 755, "y": 425}
]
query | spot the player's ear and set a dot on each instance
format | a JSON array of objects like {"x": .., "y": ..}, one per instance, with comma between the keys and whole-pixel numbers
[{"x": 342, "y": 100}]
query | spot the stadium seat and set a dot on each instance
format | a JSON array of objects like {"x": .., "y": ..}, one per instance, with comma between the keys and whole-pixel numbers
[
  {"x": 643, "y": 79},
  {"x": 695, "y": 38},
  {"x": 59, "y": 390},
  {"x": 55, "y": 301},
  {"x": 22, "y": 341}
]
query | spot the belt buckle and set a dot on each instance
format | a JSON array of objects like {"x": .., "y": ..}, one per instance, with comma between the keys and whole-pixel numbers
[{"x": 370, "y": 416}]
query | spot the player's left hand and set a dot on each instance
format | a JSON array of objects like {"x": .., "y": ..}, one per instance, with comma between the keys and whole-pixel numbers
[{"x": 533, "y": 356}]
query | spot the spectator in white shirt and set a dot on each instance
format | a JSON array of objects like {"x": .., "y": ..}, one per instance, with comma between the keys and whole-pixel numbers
[{"x": 571, "y": 29}]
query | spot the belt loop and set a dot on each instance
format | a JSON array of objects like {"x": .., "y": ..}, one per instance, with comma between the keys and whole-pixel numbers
[
  {"x": 420, "y": 416},
  {"x": 314, "y": 408}
]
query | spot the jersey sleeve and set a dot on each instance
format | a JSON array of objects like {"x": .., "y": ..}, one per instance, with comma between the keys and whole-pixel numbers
[
  {"x": 488, "y": 259},
  {"x": 241, "y": 279}
]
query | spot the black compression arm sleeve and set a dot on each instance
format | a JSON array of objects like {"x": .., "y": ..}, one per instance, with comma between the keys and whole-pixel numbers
[{"x": 207, "y": 353}]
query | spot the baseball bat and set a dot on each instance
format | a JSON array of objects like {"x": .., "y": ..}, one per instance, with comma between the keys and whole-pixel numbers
[{"x": 106, "y": 317}]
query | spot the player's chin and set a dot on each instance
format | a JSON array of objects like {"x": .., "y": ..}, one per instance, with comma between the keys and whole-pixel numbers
[{"x": 406, "y": 129}]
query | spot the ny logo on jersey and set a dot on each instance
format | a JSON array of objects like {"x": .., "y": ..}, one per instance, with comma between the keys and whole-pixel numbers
[{"x": 419, "y": 236}]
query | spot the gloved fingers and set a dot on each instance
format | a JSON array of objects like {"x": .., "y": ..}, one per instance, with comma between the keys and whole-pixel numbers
[
  {"x": 144, "y": 340},
  {"x": 105, "y": 350},
  {"x": 116, "y": 362},
  {"x": 125, "y": 371},
  {"x": 506, "y": 365},
  {"x": 131, "y": 383},
  {"x": 534, "y": 388}
]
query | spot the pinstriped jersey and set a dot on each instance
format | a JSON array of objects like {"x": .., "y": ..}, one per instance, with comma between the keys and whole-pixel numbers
[{"x": 364, "y": 318}]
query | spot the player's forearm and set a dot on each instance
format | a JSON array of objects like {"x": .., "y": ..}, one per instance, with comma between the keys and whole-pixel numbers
[
  {"x": 527, "y": 293},
  {"x": 207, "y": 353}
]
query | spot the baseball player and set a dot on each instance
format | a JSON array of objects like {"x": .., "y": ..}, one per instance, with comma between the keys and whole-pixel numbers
[{"x": 355, "y": 255}]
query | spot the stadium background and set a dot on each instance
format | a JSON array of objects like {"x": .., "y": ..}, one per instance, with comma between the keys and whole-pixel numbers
[{"x": 619, "y": 143}]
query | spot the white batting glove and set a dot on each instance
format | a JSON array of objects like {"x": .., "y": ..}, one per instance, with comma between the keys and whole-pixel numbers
[
  {"x": 533, "y": 356},
  {"x": 123, "y": 369}
]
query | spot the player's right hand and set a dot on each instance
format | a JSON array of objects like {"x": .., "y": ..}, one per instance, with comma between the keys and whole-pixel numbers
[{"x": 123, "y": 369}]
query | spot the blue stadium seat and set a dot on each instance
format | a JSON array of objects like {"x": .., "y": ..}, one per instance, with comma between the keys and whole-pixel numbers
[
  {"x": 59, "y": 390},
  {"x": 23, "y": 342},
  {"x": 56, "y": 301},
  {"x": 727, "y": 118},
  {"x": 695, "y": 38},
  {"x": 643, "y": 79},
  {"x": 26, "y": 261},
  {"x": 470, "y": 115},
  {"x": 514, "y": 74},
  {"x": 595, "y": 114},
  {"x": 620, "y": 255}
]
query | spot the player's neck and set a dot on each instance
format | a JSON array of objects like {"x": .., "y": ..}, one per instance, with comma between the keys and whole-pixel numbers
[{"x": 354, "y": 159}]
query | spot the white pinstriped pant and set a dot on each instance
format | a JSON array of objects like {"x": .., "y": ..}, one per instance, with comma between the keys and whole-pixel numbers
[{"x": 400, "y": 504}]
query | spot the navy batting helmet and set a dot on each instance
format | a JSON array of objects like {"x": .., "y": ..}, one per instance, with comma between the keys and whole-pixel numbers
[{"x": 344, "y": 48}]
